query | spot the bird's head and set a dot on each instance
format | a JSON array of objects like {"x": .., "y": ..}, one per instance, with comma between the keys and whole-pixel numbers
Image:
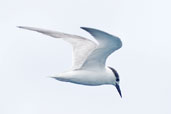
[{"x": 117, "y": 80}]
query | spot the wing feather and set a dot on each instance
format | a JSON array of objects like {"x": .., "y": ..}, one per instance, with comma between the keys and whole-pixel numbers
[
  {"x": 107, "y": 45},
  {"x": 82, "y": 47},
  {"x": 86, "y": 53}
]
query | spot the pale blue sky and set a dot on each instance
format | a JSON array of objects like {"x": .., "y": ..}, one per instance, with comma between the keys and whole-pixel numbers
[{"x": 28, "y": 58}]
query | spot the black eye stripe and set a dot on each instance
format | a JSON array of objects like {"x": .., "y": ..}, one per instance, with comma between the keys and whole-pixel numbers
[{"x": 115, "y": 73}]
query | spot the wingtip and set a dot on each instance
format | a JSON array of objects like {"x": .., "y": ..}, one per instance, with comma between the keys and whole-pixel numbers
[
  {"x": 23, "y": 27},
  {"x": 19, "y": 26},
  {"x": 82, "y": 27},
  {"x": 28, "y": 28},
  {"x": 51, "y": 77},
  {"x": 86, "y": 28},
  {"x": 89, "y": 29}
]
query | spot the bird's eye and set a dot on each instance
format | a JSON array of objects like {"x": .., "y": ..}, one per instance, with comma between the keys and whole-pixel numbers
[{"x": 117, "y": 80}]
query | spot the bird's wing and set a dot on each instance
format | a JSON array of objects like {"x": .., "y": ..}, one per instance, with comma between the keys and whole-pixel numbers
[
  {"x": 107, "y": 44},
  {"x": 82, "y": 47}
]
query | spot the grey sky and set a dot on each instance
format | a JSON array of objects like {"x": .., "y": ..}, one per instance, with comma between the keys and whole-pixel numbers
[{"x": 28, "y": 58}]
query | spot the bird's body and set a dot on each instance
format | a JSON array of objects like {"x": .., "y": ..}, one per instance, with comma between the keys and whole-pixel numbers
[
  {"x": 87, "y": 77},
  {"x": 89, "y": 58}
]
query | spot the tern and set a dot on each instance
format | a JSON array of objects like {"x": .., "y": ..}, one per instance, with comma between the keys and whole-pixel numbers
[{"x": 89, "y": 58}]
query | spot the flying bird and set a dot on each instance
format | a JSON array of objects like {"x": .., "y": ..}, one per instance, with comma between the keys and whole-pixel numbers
[{"x": 89, "y": 58}]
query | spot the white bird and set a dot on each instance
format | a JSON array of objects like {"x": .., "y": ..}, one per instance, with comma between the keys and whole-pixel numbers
[{"x": 89, "y": 58}]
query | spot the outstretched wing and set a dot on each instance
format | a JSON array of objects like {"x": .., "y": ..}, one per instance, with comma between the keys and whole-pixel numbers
[
  {"x": 107, "y": 44},
  {"x": 82, "y": 47}
]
